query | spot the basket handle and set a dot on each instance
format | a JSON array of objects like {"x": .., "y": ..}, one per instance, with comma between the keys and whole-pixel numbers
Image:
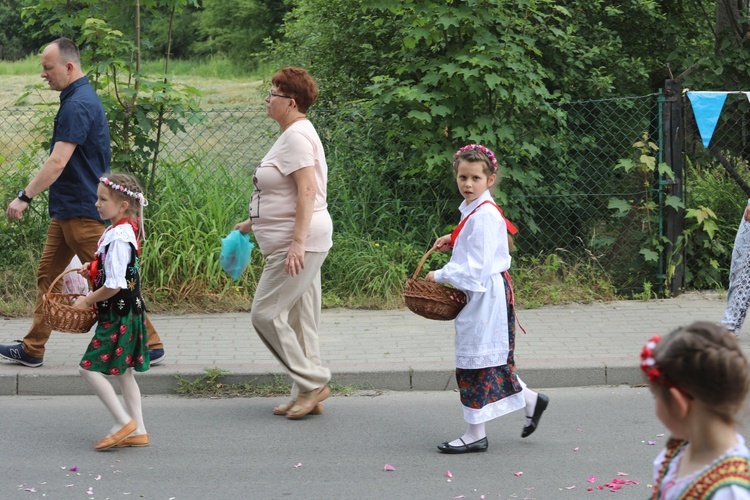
[
  {"x": 54, "y": 282},
  {"x": 421, "y": 262}
]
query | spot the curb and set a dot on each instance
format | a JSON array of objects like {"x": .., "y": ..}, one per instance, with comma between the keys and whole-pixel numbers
[{"x": 67, "y": 381}]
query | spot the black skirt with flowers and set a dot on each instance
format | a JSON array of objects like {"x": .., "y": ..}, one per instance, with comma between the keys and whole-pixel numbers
[
  {"x": 482, "y": 387},
  {"x": 120, "y": 340}
]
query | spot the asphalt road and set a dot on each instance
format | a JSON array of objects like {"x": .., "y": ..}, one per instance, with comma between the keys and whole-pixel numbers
[{"x": 236, "y": 449}]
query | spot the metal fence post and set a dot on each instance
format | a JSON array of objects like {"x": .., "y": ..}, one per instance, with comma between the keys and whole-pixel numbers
[{"x": 672, "y": 140}]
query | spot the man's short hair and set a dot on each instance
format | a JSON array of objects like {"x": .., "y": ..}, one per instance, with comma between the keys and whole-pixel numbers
[{"x": 68, "y": 51}]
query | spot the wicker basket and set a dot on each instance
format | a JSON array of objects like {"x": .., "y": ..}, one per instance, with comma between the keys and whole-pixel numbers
[
  {"x": 59, "y": 313},
  {"x": 432, "y": 300}
]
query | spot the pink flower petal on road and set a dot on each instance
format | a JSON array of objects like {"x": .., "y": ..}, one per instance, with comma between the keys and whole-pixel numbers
[
  {"x": 651, "y": 443},
  {"x": 622, "y": 474},
  {"x": 448, "y": 474},
  {"x": 297, "y": 466},
  {"x": 73, "y": 469},
  {"x": 575, "y": 449},
  {"x": 570, "y": 487},
  {"x": 518, "y": 473},
  {"x": 388, "y": 467},
  {"x": 30, "y": 490},
  {"x": 459, "y": 497},
  {"x": 592, "y": 479}
]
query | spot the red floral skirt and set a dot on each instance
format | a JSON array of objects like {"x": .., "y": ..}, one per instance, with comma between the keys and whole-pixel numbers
[{"x": 119, "y": 343}]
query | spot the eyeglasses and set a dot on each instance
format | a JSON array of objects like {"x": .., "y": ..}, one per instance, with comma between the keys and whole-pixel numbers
[{"x": 271, "y": 94}]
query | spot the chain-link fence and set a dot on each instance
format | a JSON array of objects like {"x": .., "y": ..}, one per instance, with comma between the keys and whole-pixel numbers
[
  {"x": 723, "y": 167},
  {"x": 571, "y": 211}
]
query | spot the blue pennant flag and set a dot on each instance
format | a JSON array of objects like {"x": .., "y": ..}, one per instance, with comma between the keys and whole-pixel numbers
[{"x": 707, "y": 108}]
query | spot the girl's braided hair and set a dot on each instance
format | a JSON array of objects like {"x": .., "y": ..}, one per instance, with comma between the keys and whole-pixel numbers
[{"x": 704, "y": 361}]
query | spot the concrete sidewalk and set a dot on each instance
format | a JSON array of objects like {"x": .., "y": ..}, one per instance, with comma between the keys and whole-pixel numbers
[{"x": 566, "y": 346}]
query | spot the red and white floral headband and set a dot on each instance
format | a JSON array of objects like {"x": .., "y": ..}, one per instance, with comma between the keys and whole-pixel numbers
[{"x": 648, "y": 364}]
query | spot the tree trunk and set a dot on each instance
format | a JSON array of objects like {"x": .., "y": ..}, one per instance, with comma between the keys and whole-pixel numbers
[{"x": 728, "y": 17}]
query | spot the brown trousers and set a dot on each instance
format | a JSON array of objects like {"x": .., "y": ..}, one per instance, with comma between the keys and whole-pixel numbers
[{"x": 66, "y": 238}]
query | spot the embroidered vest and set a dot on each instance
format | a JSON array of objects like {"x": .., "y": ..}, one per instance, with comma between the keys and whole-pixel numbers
[
  {"x": 730, "y": 470},
  {"x": 127, "y": 298}
]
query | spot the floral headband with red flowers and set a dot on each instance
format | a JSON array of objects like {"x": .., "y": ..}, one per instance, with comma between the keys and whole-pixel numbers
[
  {"x": 648, "y": 364},
  {"x": 487, "y": 152}
]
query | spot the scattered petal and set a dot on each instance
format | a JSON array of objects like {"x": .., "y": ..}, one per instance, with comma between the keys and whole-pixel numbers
[
  {"x": 73, "y": 469},
  {"x": 30, "y": 490},
  {"x": 622, "y": 473},
  {"x": 592, "y": 479},
  {"x": 589, "y": 489},
  {"x": 69, "y": 485},
  {"x": 575, "y": 449},
  {"x": 660, "y": 435},
  {"x": 459, "y": 497},
  {"x": 297, "y": 466},
  {"x": 481, "y": 497},
  {"x": 651, "y": 443},
  {"x": 388, "y": 467},
  {"x": 448, "y": 474},
  {"x": 519, "y": 473},
  {"x": 98, "y": 477},
  {"x": 570, "y": 487}
]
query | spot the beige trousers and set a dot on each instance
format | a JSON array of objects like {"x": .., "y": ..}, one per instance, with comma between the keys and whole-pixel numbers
[{"x": 286, "y": 315}]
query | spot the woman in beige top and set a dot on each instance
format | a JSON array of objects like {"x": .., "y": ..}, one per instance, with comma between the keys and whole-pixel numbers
[{"x": 290, "y": 220}]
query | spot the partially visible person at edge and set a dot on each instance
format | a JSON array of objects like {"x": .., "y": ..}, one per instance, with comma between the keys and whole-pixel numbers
[
  {"x": 699, "y": 379},
  {"x": 486, "y": 326},
  {"x": 290, "y": 220},
  {"x": 738, "y": 293},
  {"x": 80, "y": 154}
]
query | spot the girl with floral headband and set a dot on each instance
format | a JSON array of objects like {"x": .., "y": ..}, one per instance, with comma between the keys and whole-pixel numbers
[
  {"x": 699, "y": 378},
  {"x": 485, "y": 327},
  {"x": 120, "y": 343}
]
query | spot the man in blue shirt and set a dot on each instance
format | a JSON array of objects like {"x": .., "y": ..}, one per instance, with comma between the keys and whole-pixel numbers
[{"x": 80, "y": 154}]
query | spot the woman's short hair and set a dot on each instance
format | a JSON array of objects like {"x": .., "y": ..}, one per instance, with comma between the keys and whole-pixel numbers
[{"x": 298, "y": 84}]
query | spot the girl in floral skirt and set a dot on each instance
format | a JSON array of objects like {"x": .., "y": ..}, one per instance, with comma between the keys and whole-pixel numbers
[
  {"x": 485, "y": 327},
  {"x": 120, "y": 344}
]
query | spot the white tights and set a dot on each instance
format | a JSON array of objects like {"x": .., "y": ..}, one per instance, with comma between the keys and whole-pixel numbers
[{"x": 131, "y": 395}]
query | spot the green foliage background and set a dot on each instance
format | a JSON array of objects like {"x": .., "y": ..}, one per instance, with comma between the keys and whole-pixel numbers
[{"x": 412, "y": 80}]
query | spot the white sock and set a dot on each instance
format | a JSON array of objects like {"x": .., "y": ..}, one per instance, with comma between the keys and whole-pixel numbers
[
  {"x": 474, "y": 432},
  {"x": 531, "y": 398}
]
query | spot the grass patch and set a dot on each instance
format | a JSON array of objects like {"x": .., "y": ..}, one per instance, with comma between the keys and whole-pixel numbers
[
  {"x": 553, "y": 279},
  {"x": 212, "y": 384}
]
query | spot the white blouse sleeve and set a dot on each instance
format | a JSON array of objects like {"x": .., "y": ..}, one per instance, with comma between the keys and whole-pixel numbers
[
  {"x": 471, "y": 263},
  {"x": 116, "y": 263}
]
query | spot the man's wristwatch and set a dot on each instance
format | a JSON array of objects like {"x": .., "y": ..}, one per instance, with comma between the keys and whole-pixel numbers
[{"x": 22, "y": 196}]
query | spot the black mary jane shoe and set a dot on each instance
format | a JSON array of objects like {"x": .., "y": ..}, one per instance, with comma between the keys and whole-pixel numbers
[
  {"x": 476, "y": 446},
  {"x": 541, "y": 404}
]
